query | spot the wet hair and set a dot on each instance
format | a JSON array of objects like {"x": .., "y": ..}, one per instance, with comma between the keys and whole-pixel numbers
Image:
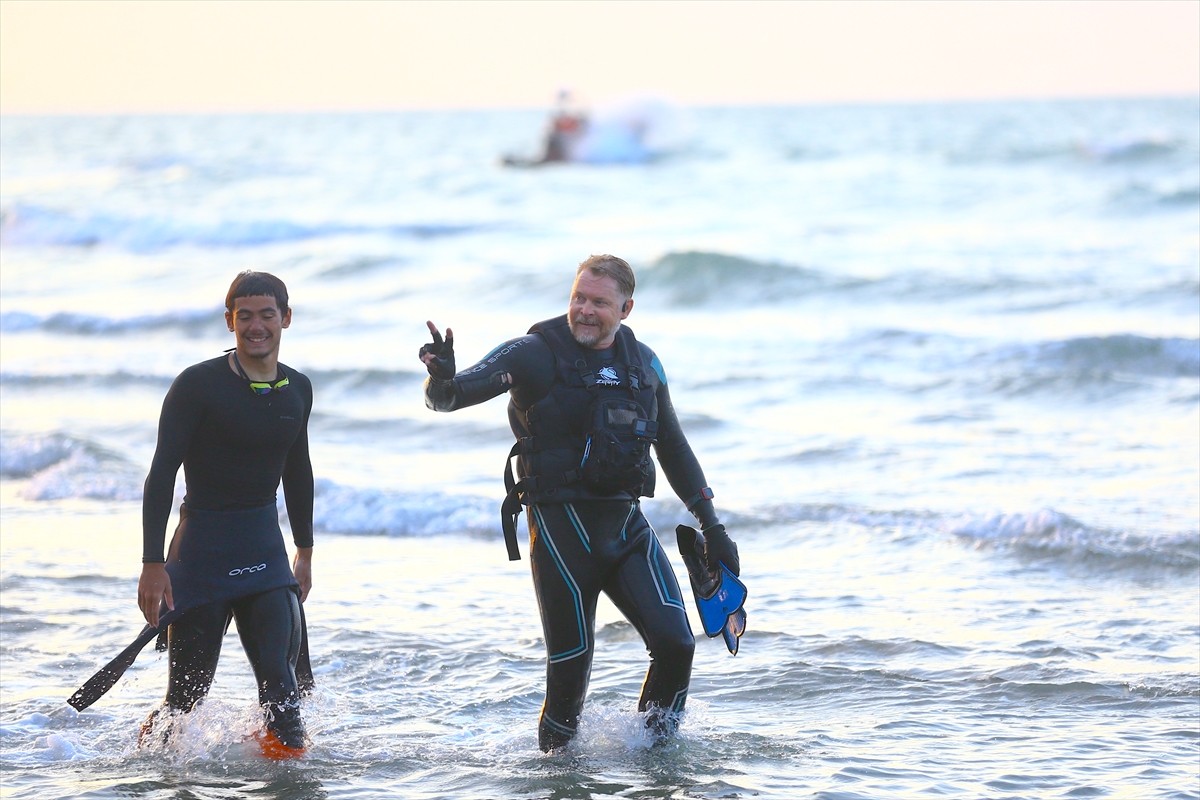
[
  {"x": 257, "y": 284},
  {"x": 616, "y": 268}
]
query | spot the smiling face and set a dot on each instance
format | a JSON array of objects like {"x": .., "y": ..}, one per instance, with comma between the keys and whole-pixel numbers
[
  {"x": 596, "y": 310},
  {"x": 257, "y": 324}
]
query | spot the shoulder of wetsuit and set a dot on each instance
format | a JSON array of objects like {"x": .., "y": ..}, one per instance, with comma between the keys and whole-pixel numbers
[{"x": 552, "y": 325}]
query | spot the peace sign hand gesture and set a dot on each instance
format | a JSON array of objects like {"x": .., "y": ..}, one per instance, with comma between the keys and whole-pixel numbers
[{"x": 438, "y": 355}]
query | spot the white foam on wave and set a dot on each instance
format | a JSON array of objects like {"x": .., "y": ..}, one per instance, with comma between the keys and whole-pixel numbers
[
  {"x": 1053, "y": 534},
  {"x": 22, "y": 455},
  {"x": 367, "y": 510}
]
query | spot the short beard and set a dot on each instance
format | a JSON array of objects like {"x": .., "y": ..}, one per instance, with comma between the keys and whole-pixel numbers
[{"x": 583, "y": 334}]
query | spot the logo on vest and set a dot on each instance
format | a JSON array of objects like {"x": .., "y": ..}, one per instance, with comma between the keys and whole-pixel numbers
[
  {"x": 250, "y": 570},
  {"x": 607, "y": 376}
]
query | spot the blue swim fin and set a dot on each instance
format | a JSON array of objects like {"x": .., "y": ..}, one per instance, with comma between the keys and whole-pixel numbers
[{"x": 720, "y": 597}]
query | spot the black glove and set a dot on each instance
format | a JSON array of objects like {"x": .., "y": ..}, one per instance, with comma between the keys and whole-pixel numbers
[
  {"x": 720, "y": 549},
  {"x": 438, "y": 355}
]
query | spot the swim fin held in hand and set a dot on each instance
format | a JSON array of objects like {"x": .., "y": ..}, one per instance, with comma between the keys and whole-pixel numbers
[{"x": 720, "y": 597}]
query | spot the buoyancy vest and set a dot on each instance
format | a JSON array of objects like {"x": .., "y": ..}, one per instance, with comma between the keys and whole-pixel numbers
[{"x": 589, "y": 437}]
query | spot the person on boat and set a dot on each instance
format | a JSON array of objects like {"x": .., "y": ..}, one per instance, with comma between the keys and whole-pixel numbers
[{"x": 566, "y": 127}]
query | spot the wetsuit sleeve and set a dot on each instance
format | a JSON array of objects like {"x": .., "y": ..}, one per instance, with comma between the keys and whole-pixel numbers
[
  {"x": 525, "y": 365},
  {"x": 182, "y": 413},
  {"x": 298, "y": 480},
  {"x": 677, "y": 460}
]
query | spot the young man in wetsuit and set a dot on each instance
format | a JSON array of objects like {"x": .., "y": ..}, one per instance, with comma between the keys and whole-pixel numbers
[
  {"x": 586, "y": 400},
  {"x": 238, "y": 424}
]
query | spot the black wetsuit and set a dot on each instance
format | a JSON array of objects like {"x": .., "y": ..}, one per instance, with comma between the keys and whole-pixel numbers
[
  {"x": 583, "y": 543},
  {"x": 235, "y": 447}
]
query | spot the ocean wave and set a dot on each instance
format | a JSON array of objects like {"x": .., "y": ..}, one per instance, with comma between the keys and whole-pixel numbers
[
  {"x": 706, "y": 278},
  {"x": 1150, "y": 195},
  {"x": 31, "y": 225},
  {"x": 370, "y": 511},
  {"x": 359, "y": 267},
  {"x": 119, "y": 380},
  {"x": 1050, "y": 534},
  {"x": 388, "y": 512},
  {"x": 1179, "y": 196},
  {"x": 1044, "y": 534},
  {"x": 1118, "y": 149},
  {"x": 834, "y": 513},
  {"x": 22, "y": 455},
  {"x": 76, "y": 324},
  {"x": 1017, "y": 293},
  {"x": 1122, "y": 353},
  {"x": 58, "y": 466},
  {"x": 1130, "y": 147},
  {"x": 1185, "y": 686},
  {"x": 1088, "y": 366},
  {"x": 1170, "y": 291},
  {"x": 367, "y": 379},
  {"x": 697, "y": 277}
]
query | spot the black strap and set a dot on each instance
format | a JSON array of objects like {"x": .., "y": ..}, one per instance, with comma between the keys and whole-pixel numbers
[{"x": 510, "y": 509}]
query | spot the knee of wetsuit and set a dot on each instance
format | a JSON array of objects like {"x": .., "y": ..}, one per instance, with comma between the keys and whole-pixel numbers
[{"x": 676, "y": 651}]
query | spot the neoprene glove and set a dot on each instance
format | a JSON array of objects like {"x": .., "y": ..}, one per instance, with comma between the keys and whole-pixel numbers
[
  {"x": 441, "y": 367},
  {"x": 718, "y": 547}
]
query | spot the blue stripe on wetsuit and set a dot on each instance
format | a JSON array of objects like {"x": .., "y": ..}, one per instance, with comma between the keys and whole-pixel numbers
[{"x": 569, "y": 580}]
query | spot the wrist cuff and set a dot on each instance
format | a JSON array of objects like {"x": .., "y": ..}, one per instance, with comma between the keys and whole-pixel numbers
[{"x": 704, "y": 494}]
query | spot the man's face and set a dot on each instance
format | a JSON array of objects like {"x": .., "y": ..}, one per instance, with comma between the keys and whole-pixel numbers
[
  {"x": 257, "y": 324},
  {"x": 596, "y": 310}
]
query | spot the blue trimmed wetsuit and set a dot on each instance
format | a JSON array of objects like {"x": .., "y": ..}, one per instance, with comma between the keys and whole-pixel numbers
[
  {"x": 582, "y": 542},
  {"x": 227, "y": 559}
]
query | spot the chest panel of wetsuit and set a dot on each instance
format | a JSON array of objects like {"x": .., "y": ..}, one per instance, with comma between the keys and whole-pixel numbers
[{"x": 241, "y": 441}]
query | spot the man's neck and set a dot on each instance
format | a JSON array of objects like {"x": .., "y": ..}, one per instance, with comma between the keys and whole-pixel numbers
[{"x": 258, "y": 369}]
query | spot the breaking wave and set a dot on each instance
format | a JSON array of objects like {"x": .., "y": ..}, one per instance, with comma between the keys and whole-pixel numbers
[{"x": 31, "y": 225}]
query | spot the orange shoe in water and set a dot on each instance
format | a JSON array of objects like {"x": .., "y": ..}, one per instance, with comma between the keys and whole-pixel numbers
[{"x": 274, "y": 749}]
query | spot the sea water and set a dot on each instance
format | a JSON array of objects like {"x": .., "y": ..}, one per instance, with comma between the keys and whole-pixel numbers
[{"x": 941, "y": 365}]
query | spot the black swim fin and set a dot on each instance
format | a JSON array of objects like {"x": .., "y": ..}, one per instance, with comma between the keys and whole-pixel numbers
[
  {"x": 110, "y": 673},
  {"x": 720, "y": 597}
]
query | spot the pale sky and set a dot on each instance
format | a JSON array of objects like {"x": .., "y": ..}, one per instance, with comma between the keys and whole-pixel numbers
[{"x": 298, "y": 55}]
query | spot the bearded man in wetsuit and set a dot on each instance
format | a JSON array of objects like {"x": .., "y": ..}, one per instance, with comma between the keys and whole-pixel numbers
[
  {"x": 586, "y": 402},
  {"x": 238, "y": 424}
]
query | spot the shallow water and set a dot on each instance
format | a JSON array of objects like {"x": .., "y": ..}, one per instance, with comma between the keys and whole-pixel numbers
[{"x": 865, "y": 673}]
